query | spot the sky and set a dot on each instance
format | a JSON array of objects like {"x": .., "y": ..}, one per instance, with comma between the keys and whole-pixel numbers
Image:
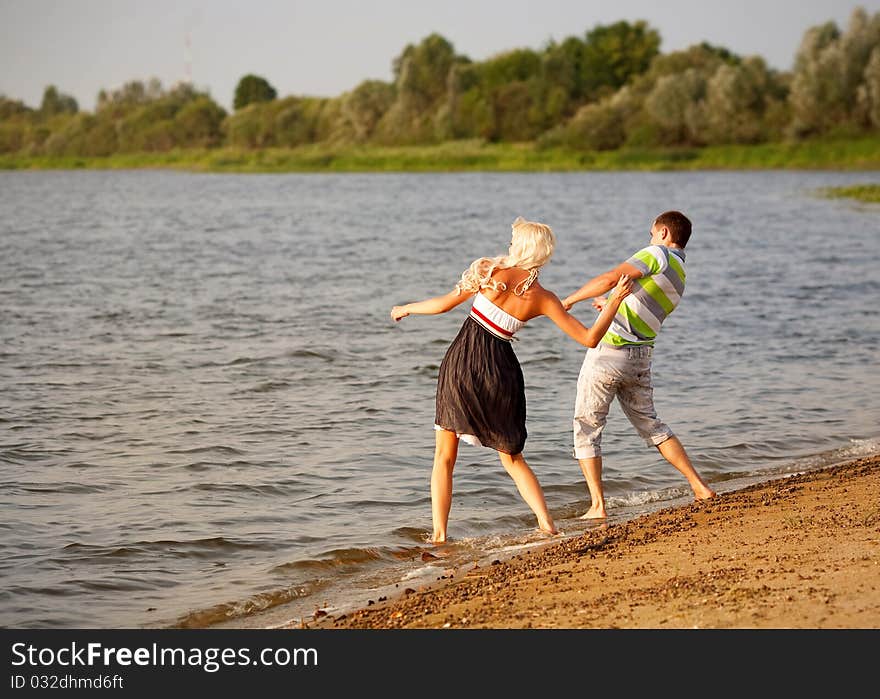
[{"x": 327, "y": 47}]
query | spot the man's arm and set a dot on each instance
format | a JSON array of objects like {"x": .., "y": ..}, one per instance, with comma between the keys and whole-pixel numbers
[{"x": 602, "y": 283}]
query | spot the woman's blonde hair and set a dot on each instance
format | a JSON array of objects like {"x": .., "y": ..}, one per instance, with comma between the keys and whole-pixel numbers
[{"x": 531, "y": 246}]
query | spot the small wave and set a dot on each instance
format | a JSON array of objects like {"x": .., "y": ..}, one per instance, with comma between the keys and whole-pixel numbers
[
  {"x": 335, "y": 559},
  {"x": 111, "y": 315},
  {"x": 116, "y": 585},
  {"x": 89, "y": 552},
  {"x": 208, "y": 547},
  {"x": 215, "y": 448},
  {"x": 202, "y": 618},
  {"x": 354, "y": 557},
  {"x": 646, "y": 497},
  {"x": 784, "y": 465},
  {"x": 546, "y": 359},
  {"x": 18, "y": 456},
  {"x": 65, "y": 365},
  {"x": 857, "y": 449},
  {"x": 265, "y": 387},
  {"x": 238, "y": 361},
  {"x": 72, "y": 488},
  {"x": 90, "y": 436},
  {"x": 199, "y": 466},
  {"x": 311, "y": 354},
  {"x": 411, "y": 533},
  {"x": 262, "y": 489}
]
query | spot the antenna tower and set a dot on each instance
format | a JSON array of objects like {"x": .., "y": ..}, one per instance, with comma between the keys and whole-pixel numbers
[{"x": 187, "y": 60}]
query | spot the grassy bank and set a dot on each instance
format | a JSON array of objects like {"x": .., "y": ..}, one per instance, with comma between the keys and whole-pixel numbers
[
  {"x": 862, "y": 192},
  {"x": 463, "y": 156}
]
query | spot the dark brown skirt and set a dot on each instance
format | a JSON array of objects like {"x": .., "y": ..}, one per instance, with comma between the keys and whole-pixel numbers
[{"x": 480, "y": 390}]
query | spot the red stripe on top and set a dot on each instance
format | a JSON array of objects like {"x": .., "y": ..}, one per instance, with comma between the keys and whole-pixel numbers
[{"x": 489, "y": 322}]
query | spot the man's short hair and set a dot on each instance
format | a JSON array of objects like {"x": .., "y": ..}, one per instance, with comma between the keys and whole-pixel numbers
[{"x": 678, "y": 224}]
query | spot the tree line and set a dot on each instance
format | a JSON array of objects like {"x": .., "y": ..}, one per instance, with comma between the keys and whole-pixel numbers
[{"x": 608, "y": 89}]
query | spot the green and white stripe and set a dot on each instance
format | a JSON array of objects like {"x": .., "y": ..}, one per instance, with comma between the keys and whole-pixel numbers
[{"x": 655, "y": 295}]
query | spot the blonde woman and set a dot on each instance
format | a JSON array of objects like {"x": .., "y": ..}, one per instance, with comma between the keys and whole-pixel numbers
[{"x": 480, "y": 389}]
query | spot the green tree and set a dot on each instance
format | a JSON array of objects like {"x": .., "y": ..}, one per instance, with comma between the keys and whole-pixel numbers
[
  {"x": 869, "y": 92},
  {"x": 363, "y": 107},
  {"x": 252, "y": 88},
  {"x": 198, "y": 123},
  {"x": 420, "y": 71},
  {"x": 562, "y": 67},
  {"x": 466, "y": 113},
  {"x": 131, "y": 93},
  {"x": 13, "y": 136},
  {"x": 829, "y": 76},
  {"x": 100, "y": 139},
  {"x": 613, "y": 54},
  {"x": 673, "y": 105},
  {"x": 10, "y": 109},
  {"x": 421, "y": 75},
  {"x": 295, "y": 120},
  {"x": 254, "y": 126},
  {"x": 55, "y": 102},
  {"x": 70, "y": 136},
  {"x": 596, "y": 126},
  {"x": 738, "y": 98}
]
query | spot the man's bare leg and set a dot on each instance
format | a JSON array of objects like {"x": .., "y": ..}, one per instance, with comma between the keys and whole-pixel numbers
[
  {"x": 592, "y": 470},
  {"x": 445, "y": 453},
  {"x": 673, "y": 451}
]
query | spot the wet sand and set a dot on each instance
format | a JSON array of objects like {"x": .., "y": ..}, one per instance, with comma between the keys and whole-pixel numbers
[{"x": 797, "y": 552}]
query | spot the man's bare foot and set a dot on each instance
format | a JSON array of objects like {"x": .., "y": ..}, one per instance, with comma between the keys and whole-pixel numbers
[{"x": 595, "y": 512}]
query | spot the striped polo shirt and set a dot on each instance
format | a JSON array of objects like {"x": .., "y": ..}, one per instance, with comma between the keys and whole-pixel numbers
[{"x": 654, "y": 296}]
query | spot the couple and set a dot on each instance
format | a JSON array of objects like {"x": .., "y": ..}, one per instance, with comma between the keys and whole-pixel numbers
[{"x": 480, "y": 388}]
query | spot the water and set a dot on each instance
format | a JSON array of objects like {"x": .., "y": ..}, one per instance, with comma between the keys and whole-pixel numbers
[{"x": 207, "y": 416}]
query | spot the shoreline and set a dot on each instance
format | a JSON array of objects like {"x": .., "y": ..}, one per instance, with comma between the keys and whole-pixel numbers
[
  {"x": 800, "y": 551},
  {"x": 828, "y": 154}
]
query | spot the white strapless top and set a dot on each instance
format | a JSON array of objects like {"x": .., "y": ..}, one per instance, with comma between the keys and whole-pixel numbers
[{"x": 494, "y": 319}]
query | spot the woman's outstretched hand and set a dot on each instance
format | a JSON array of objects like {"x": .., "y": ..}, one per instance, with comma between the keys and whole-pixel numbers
[
  {"x": 399, "y": 312},
  {"x": 623, "y": 288}
]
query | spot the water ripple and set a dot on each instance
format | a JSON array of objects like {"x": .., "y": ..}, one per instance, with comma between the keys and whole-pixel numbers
[{"x": 203, "y": 418}]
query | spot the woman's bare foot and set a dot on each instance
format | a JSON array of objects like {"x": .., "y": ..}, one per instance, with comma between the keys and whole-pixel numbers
[
  {"x": 548, "y": 527},
  {"x": 542, "y": 534},
  {"x": 595, "y": 512},
  {"x": 704, "y": 492},
  {"x": 438, "y": 538}
]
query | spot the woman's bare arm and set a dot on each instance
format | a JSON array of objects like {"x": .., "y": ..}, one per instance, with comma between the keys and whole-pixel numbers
[
  {"x": 432, "y": 306},
  {"x": 571, "y": 326},
  {"x": 602, "y": 283}
]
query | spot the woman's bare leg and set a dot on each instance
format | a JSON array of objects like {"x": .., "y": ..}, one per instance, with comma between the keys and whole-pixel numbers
[
  {"x": 445, "y": 453},
  {"x": 529, "y": 489}
]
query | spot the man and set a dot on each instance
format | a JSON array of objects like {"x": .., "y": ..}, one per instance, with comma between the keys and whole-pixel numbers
[{"x": 621, "y": 365}]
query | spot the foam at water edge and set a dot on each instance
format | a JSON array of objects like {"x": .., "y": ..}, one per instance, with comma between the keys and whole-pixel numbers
[
  {"x": 646, "y": 497},
  {"x": 422, "y": 572},
  {"x": 858, "y": 449}
]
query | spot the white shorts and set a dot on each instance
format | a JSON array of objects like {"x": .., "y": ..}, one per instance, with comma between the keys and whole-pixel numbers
[{"x": 624, "y": 372}]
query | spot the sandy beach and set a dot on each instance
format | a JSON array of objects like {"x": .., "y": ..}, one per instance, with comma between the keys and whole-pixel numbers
[{"x": 795, "y": 552}]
